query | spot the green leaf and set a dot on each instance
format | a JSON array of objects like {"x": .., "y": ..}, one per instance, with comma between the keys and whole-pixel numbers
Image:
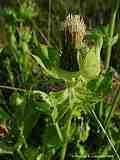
[
  {"x": 48, "y": 55},
  {"x": 53, "y": 56},
  {"x": 105, "y": 84},
  {"x": 56, "y": 71},
  {"x": 44, "y": 51},
  {"x": 9, "y": 14},
  {"x": 84, "y": 133},
  {"x": 44, "y": 96},
  {"x": 18, "y": 103},
  {"x": 31, "y": 153},
  {"x": 115, "y": 39},
  {"x": 25, "y": 34},
  {"x": 39, "y": 61},
  {"x": 34, "y": 38},
  {"x": 1, "y": 49},
  {"x": 42, "y": 107},
  {"x": 50, "y": 137},
  {"x": 99, "y": 32},
  {"x": 3, "y": 114},
  {"x": 59, "y": 73},
  {"x": 16, "y": 99},
  {"x": 60, "y": 96}
]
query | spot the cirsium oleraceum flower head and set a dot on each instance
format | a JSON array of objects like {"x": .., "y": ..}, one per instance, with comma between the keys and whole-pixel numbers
[{"x": 74, "y": 30}]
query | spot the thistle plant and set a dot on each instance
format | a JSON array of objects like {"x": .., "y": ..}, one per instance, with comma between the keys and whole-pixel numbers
[
  {"x": 68, "y": 112},
  {"x": 77, "y": 58}
]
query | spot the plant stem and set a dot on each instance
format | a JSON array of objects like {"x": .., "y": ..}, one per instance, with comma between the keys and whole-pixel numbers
[
  {"x": 116, "y": 99},
  {"x": 101, "y": 108},
  {"x": 67, "y": 138},
  {"x": 13, "y": 88},
  {"x": 49, "y": 21},
  {"x": 21, "y": 154},
  {"x": 68, "y": 130},
  {"x": 63, "y": 151},
  {"x": 112, "y": 27},
  {"x": 59, "y": 132}
]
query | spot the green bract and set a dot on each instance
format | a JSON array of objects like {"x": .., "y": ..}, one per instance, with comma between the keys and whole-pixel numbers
[
  {"x": 54, "y": 70},
  {"x": 89, "y": 62}
]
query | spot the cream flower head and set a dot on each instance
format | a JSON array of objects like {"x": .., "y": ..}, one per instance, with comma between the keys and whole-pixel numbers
[{"x": 74, "y": 29}]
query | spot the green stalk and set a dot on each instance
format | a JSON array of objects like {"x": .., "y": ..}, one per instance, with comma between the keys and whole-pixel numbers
[
  {"x": 101, "y": 108},
  {"x": 59, "y": 132},
  {"x": 68, "y": 130},
  {"x": 63, "y": 153},
  {"x": 21, "y": 155},
  {"x": 13, "y": 88},
  {"x": 112, "y": 27},
  {"x": 116, "y": 100}
]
